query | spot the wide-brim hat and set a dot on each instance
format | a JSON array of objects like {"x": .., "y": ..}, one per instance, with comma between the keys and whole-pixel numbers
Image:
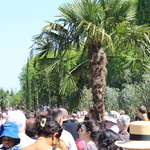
[
  {"x": 9, "y": 130},
  {"x": 112, "y": 116},
  {"x": 139, "y": 136}
]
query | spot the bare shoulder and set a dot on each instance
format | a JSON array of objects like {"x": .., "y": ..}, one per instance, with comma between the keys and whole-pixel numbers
[{"x": 38, "y": 146}]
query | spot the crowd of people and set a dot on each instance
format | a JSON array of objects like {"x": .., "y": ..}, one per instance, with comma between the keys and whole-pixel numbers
[{"x": 55, "y": 129}]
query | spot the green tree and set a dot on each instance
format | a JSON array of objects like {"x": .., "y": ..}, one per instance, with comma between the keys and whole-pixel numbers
[
  {"x": 143, "y": 12},
  {"x": 34, "y": 85},
  {"x": 5, "y": 99},
  {"x": 96, "y": 27}
]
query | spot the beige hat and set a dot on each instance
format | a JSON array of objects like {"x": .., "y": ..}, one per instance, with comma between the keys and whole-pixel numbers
[{"x": 139, "y": 136}]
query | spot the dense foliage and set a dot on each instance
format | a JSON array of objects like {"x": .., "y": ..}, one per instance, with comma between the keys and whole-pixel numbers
[
  {"x": 143, "y": 12},
  {"x": 57, "y": 78}
]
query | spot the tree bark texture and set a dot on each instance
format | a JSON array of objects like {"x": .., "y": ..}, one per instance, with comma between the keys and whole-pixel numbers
[{"x": 97, "y": 68}]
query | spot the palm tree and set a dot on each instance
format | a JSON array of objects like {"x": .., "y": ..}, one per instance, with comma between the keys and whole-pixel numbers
[{"x": 94, "y": 26}]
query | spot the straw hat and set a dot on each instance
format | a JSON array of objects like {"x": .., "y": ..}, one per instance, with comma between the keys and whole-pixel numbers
[{"x": 139, "y": 136}]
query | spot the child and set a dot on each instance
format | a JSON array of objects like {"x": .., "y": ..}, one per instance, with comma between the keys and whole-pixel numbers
[{"x": 9, "y": 137}]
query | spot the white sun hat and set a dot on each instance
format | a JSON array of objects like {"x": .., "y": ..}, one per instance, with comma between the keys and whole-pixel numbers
[{"x": 112, "y": 116}]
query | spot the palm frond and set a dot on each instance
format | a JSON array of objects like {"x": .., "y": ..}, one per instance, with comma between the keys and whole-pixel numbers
[
  {"x": 136, "y": 63},
  {"x": 68, "y": 85},
  {"x": 74, "y": 100}
]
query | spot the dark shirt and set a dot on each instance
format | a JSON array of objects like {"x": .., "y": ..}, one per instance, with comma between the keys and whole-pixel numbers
[{"x": 71, "y": 127}]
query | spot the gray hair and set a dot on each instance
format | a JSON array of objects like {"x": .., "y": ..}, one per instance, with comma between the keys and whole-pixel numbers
[
  {"x": 17, "y": 117},
  {"x": 124, "y": 120}
]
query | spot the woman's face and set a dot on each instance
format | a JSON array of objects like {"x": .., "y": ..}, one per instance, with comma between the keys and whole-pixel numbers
[
  {"x": 7, "y": 141},
  {"x": 83, "y": 133}
]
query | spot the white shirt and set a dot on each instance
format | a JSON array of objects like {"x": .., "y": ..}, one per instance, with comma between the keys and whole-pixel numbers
[
  {"x": 115, "y": 128},
  {"x": 68, "y": 139},
  {"x": 25, "y": 140}
]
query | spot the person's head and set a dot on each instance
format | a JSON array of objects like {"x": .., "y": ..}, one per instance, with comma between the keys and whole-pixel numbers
[
  {"x": 106, "y": 140},
  {"x": 57, "y": 115},
  {"x": 105, "y": 113},
  {"x": 30, "y": 128},
  {"x": 40, "y": 112},
  {"x": 65, "y": 113},
  {"x": 86, "y": 117},
  {"x": 48, "y": 128},
  {"x": 89, "y": 130},
  {"x": 28, "y": 114},
  {"x": 123, "y": 122},
  {"x": 138, "y": 118},
  {"x": 18, "y": 118},
  {"x": 3, "y": 115},
  {"x": 111, "y": 118},
  {"x": 9, "y": 135},
  {"x": 139, "y": 136},
  {"x": 122, "y": 112},
  {"x": 92, "y": 114},
  {"x": 142, "y": 110}
]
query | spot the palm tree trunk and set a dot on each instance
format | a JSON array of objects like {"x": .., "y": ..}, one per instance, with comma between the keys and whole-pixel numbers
[{"x": 97, "y": 68}]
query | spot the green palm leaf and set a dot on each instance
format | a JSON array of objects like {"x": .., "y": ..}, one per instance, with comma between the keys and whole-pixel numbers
[{"x": 68, "y": 85}]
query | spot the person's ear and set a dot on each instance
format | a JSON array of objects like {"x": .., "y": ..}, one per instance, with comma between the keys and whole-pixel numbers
[
  {"x": 54, "y": 139},
  {"x": 55, "y": 135},
  {"x": 89, "y": 133},
  {"x": 60, "y": 121}
]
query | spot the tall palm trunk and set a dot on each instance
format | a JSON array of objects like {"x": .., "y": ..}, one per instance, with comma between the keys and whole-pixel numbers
[{"x": 97, "y": 68}]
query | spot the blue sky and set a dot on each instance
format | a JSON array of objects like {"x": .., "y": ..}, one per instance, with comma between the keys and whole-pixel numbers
[{"x": 20, "y": 21}]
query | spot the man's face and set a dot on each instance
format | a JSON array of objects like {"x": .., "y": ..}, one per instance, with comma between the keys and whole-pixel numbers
[{"x": 109, "y": 124}]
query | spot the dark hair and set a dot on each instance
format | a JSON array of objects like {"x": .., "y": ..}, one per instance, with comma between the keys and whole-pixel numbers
[
  {"x": 30, "y": 131},
  {"x": 93, "y": 127},
  {"x": 148, "y": 115},
  {"x": 28, "y": 114},
  {"x": 47, "y": 127},
  {"x": 102, "y": 125},
  {"x": 92, "y": 112},
  {"x": 106, "y": 140},
  {"x": 142, "y": 109},
  {"x": 86, "y": 117},
  {"x": 30, "y": 127},
  {"x": 139, "y": 118},
  {"x": 55, "y": 114},
  {"x": 79, "y": 125}
]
